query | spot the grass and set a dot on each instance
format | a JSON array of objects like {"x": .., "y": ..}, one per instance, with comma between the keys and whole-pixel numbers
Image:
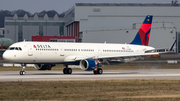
[
  {"x": 109, "y": 90},
  {"x": 123, "y": 66}
]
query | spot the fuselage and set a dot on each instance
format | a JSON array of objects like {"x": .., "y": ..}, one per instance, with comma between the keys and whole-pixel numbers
[{"x": 54, "y": 52}]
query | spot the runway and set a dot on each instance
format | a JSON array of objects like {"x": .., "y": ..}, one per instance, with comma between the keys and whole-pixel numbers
[{"x": 168, "y": 74}]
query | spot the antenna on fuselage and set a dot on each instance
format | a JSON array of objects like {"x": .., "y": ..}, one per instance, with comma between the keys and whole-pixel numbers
[{"x": 105, "y": 42}]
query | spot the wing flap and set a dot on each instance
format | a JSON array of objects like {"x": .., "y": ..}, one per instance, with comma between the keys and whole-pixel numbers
[
  {"x": 76, "y": 58},
  {"x": 127, "y": 55}
]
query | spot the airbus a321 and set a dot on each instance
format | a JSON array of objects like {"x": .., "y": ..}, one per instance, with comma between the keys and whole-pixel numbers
[{"x": 89, "y": 56}]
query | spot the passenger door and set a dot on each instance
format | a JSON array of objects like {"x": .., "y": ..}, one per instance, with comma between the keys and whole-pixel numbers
[
  {"x": 61, "y": 50},
  {"x": 30, "y": 50},
  {"x": 99, "y": 51}
]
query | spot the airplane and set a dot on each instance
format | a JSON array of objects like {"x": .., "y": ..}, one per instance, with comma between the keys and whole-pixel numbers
[{"x": 89, "y": 56}]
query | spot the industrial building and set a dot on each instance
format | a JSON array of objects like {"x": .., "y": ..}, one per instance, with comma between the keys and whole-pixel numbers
[
  {"x": 22, "y": 28},
  {"x": 102, "y": 22},
  {"x": 2, "y": 32},
  {"x": 54, "y": 38},
  {"x": 119, "y": 23}
]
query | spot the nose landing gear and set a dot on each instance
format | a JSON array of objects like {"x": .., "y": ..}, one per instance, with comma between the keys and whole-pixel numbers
[{"x": 23, "y": 67}]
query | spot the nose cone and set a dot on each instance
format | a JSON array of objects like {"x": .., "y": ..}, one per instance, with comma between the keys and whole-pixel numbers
[{"x": 6, "y": 56}]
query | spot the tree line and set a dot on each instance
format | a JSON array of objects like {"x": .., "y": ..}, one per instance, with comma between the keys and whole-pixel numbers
[{"x": 21, "y": 13}]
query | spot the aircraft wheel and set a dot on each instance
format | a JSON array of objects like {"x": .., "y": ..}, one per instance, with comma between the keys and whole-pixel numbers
[
  {"x": 65, "y": 70},
  {"x": 22, "y": 72},
  {"x": 69, "y": 70},
  {"x": 99, "y": 71}
]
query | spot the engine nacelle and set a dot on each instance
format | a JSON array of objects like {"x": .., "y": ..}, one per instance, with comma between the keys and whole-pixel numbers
[
  {"x": 89, "y": 64},
  {"x": 43, "y": 66}
]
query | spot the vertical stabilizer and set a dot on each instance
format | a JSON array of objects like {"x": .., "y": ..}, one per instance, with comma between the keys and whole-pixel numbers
[{"x": 143, "y": 35}]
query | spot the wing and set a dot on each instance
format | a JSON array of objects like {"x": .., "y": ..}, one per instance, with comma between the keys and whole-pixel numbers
[
  {"x": 80, "y": 57},
  {"x": 75, "y": 58}
]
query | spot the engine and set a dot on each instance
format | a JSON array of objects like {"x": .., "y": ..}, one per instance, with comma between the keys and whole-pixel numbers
[
  {"x": 43, "y": 66},
  {"x": 89, "y": 64}
]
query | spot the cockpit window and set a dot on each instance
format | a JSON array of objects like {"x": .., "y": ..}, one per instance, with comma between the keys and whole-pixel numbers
[
  {"x": 12, "y": 48},
  {"x": 20, "y": 48},
  {"x": 15, "y": 48}
]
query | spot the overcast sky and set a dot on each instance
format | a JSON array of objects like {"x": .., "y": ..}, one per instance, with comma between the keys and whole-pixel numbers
[{"x": 60, "y": 5}]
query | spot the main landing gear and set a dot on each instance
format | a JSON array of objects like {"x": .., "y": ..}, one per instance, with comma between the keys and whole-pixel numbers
[
  {"x": 98, "y": 71},
  {"x": 67, "y": 70},
  {"x": 22, "y": 72}
]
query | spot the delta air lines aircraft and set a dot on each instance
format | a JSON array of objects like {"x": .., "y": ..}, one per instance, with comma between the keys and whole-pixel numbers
[{"x": 89, "y": 56}]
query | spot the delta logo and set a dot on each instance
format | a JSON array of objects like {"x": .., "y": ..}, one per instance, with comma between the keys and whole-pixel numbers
[{"x": 41, "y": 46}]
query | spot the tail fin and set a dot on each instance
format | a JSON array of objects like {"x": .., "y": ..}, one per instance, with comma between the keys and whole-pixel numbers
[{"x": 142, "y": 37}]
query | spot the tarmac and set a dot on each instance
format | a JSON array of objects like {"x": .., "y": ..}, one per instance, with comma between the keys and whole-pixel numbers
[{"x": 157, "y": 74}]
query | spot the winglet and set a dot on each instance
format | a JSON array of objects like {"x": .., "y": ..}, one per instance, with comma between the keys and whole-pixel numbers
[{"x": 171, "y": 48}]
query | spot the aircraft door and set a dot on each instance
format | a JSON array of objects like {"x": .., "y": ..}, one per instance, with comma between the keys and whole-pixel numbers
[
  {"x": 99, "y": 51},
  {"x": 30, "y": 50},
  {"x": 61, "y": 50}
]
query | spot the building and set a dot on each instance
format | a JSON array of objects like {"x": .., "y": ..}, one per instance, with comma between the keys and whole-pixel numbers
[
  {"x": 118, "y": 22},
  {"x": 1, "y": 32},
  {"x": 20, "y": 28},
  {"x": 54, "y": 38},
  {"x": 100, "y": 22}
]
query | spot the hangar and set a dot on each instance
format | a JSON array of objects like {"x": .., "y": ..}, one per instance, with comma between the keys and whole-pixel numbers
[
  {"x": 119, "y": 23},
  {"x": 20, "y": 28}
]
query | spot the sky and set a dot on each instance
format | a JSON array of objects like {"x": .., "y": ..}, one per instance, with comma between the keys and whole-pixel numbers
[{"x": 60, "y": 6}]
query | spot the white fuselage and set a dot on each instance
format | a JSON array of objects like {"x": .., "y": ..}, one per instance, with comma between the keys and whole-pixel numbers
[{"x": 55, "y": 52}]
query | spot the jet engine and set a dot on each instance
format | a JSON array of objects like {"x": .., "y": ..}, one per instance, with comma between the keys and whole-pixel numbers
[
  {"x": 43, "y": 66},
  {"x": 89, "y": 64}
]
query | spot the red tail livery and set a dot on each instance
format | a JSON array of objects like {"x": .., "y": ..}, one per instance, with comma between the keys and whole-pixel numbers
[{"x": 142, "y": 37}]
